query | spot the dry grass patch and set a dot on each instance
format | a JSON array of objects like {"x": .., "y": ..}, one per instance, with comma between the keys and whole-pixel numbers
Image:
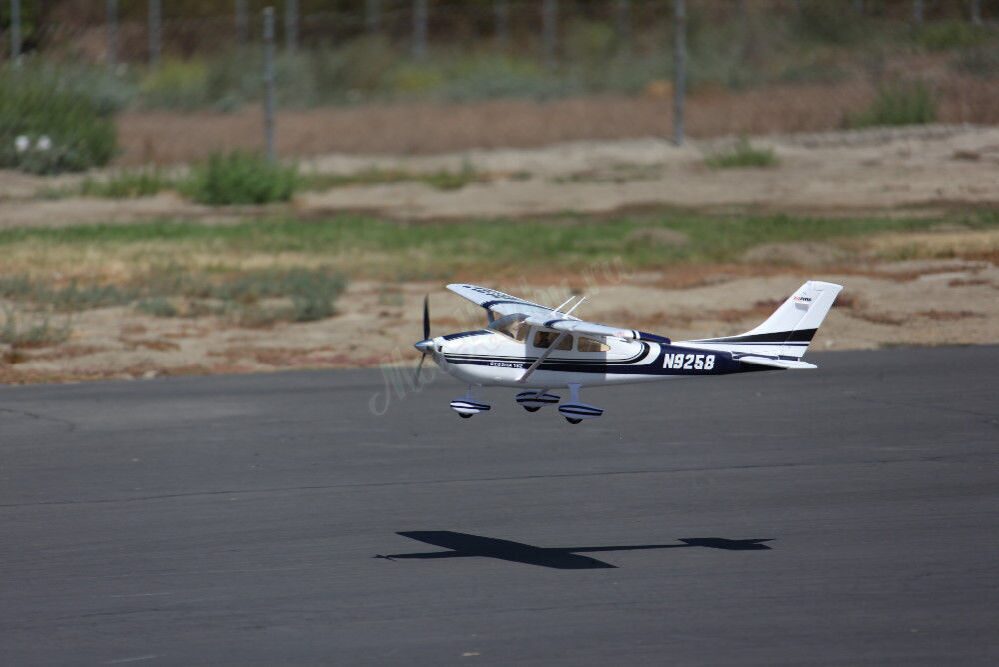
[{"x": 948, "y": 315}]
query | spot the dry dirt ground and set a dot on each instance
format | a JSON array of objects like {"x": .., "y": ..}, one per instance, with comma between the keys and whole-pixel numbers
[
  {"x": 898, "y": 172},
  {"x": 430, "y": 129},
  {"x": 928, "y": 167},
  {"x": 911, "y": 303}
]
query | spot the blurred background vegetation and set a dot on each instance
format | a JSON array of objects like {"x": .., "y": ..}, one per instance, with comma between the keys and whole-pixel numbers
[{"x": 81, "y": 63}]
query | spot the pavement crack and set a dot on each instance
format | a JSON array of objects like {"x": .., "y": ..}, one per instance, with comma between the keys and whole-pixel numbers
[{"x": 70, "y": 426}]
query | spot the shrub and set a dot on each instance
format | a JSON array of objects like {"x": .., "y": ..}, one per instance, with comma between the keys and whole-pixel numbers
[
  {"x": 176, "y": 84},
  {"x": 312, "y": 292},
  {"x": 981, "y": 61},
  {"x": 46, "y": 129},
  {"x": 240, "y": 178},
  {"x": 157, "y": 307},
  {"x": 899, "y": 104},
  {"x": 950, "y": 35},
  {"x": 125, "y": 184},
  {"x": 827, "y": 22},
  {"x": 490, "y": 76},
  {"x": 743, "y": 154},
  {"x": 36, "y": 330}
]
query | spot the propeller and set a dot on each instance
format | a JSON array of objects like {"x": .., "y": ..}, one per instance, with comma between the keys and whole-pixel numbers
[{"x": 426, "y": 346}]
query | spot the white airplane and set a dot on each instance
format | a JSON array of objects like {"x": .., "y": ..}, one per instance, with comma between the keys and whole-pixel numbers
[{"x": 536, "y": 348}]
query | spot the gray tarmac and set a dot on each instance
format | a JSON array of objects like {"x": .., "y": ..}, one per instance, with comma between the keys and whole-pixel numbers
[{"x": 848, "y": 515}]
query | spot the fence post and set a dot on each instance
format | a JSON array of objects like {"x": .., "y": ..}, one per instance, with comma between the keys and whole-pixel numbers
[
  {"x": 112, "y": 28},
  {"x": 501, "y": 12},
  {"x": 269, "y": 83},
  {"x": 549, "y": 31},
  {"x": 291, "y": 25},
  {"x": 917, "y": 12},
  {"x": 15, "y": 32},
  {"x": 419, "y": 29},
  {"x": 976, "y": 12},
  {"x": 372, "y": 15},
  {"x": 679, "y": 67},
  {"x": 622, "y": 24},
  {"x": 155, "y": 31},
  {"x": 242, "y": 22}
]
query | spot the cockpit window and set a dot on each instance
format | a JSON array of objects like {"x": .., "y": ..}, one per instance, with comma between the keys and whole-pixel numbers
[
  {"x": 515, "y": 330},
  {"x": 591, "y": 345},
  {"x": 544, "y": 339}
]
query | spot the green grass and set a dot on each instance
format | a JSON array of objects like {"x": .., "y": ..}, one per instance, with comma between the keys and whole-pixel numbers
[
  {"x": 897, "y": 104},
  {"x": 240, "y": 178},
  {"x": 127, "y": 184},
  {"x": 742, "y": 155},
  {"x": 441, "y": 179},
  {"x": 68, "y": 298},
  {"x": 271, "y": 294},
  {"x": 157, "y": 306},
  {"x": 382, "y": 248}
]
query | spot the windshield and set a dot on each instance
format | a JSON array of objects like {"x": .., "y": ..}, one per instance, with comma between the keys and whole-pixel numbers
[{"x": 516, "y": 330}]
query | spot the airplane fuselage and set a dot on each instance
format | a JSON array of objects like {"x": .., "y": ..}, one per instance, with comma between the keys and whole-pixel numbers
[{"x": 486, "y": 357}]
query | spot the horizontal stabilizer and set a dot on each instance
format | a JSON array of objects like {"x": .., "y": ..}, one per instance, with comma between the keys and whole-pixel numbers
[{"x": 775, "y": 363}]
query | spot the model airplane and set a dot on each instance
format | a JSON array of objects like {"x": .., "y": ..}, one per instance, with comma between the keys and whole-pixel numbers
[{"x": 537, "y": 348}]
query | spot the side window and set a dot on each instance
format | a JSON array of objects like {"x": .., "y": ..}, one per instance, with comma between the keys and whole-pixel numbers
[
  {"x": 544, "y": 339},
  {"x": 592, "y": 345}
]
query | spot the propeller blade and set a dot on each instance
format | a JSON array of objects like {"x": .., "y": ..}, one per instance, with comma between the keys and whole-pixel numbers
[
  {"x": 426, "y": 317},
  {"x": 423, "y": 357}
]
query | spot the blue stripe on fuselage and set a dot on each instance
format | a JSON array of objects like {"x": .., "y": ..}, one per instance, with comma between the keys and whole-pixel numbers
[{"x": 723, "y": 363}]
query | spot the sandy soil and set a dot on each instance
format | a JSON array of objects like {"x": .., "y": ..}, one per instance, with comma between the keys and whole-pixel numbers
[
  {"x": 827, "y": 173},
  {"x": 427, "y": 128}
]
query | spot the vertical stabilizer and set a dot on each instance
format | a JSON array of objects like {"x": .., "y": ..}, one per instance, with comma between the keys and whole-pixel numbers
[{"x": 787, "y": 333}]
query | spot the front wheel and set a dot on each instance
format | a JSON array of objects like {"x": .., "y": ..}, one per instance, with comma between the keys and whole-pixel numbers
[
  {"x": 573, "y": 421},
  {"x": 464, "y": 416},
  {"x": 532, "y": 409}
]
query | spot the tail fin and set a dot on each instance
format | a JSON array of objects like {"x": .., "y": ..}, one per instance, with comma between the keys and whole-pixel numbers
[{"x": 787, "y": 333}]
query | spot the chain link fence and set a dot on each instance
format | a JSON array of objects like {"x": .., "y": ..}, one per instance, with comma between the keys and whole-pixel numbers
[{"x": 166, "y": 56}]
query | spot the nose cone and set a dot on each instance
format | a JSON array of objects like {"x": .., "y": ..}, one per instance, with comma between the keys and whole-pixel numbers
[{"x": 425, "y": 346}]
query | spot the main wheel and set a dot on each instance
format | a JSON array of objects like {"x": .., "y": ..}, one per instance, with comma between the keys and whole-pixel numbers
[
  {"x": 573, "y": 421},
  {"x": 532, "y": 409},
  {"x": 464, "y": 416}
]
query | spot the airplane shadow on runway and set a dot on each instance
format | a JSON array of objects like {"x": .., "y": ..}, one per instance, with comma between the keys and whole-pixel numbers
[{"x": 464, "y": 545}]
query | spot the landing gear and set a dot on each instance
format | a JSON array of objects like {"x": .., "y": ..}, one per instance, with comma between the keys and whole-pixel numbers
[
  {"x": 576, "y": 411},
  {"x": 467, "y": 406},
  {"x": 532, "y": 401}
]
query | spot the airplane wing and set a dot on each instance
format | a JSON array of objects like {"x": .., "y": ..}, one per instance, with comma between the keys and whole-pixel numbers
[
  {"x": 501, "y": 302},
  {"x": 542, "y": 316},
  {"x": 583, "y": 327}
]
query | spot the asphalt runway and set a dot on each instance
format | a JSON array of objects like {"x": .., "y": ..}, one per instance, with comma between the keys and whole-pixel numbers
[{"x": 848, "y": 515}]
